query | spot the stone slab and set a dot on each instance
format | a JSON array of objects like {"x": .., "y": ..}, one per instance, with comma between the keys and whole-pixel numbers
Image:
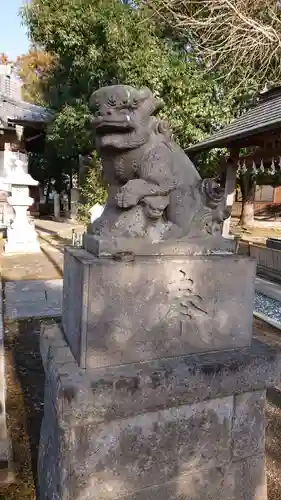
[
  {"x": 107, "y": 394},
  {"x": 33, "y": 298},
  {"x": 75, "y": 301},
  {"x": 122, "y": 312},
  {"x": 102, "y": 247}
]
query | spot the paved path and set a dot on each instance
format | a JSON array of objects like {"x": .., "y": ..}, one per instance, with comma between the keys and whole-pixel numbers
[
  {"x": 61, "y": 228},
  {"x": 33, "y": 299},
  {"x": 46, "y": 265}
]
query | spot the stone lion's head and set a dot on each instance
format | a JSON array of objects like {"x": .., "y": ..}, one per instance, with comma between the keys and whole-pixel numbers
[{"x": 121, "y": 116}]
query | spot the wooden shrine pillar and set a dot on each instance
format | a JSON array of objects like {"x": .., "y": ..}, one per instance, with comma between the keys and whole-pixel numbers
[{"x": 230, "y": 186}]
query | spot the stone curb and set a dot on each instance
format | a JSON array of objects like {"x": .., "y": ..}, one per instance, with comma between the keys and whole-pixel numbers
[
  {"x": 272, "y": 291},
  {"x": 267, "y": 319},
  {"x": 49, "y": 314},
  {"x": 268, "y": 288}
]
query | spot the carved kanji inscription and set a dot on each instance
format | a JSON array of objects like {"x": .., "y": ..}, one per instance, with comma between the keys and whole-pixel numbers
[{"x": 188, "y": 303}]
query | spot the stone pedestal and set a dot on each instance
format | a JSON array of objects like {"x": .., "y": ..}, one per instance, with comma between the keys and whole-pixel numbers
[
  {"x": 74, "y": 201},
  {"x": 153, "y": 307},
  {"x": 57, "y": 206},
  {"x": 21, "y": 235},
  {"x": 154, "y": 388}
]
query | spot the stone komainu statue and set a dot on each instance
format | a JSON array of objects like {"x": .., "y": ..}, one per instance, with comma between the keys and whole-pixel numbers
[{"x": 154, "y": 190}]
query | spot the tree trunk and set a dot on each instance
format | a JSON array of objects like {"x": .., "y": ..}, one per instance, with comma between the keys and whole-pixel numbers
[
  {"x": 48, "y": 191},
  {"x": 247, "y": 184}
]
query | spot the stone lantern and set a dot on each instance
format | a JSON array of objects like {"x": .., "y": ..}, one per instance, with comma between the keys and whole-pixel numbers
[{"x": 21, "y": 235}]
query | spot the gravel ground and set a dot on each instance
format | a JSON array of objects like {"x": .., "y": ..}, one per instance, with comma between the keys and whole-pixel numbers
[{"x": 25, "y": 380}]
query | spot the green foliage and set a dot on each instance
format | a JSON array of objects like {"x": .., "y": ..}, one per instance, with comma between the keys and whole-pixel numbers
[
  {"x": 107, "y": 41},
  {"x": 92, "y": 191},
  {"x": 50, "y": 165}
]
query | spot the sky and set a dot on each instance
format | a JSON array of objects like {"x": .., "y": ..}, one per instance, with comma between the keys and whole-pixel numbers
[{"x": 13, "y": 38}]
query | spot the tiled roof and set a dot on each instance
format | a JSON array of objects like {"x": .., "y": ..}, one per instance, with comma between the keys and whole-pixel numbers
[
  {"x": 17, "y": 112},
  {"x": 264, "y": 116}
]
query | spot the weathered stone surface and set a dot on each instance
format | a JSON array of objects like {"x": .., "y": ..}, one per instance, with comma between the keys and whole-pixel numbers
[
  {"x": 148, "y": 449},
  {"x": 52, "y": 454},
  {"x": 155, "y": 307},
  {"x": 214, "y": 482},
  {"x": 169, "y": 428},
  {"x": 248, "y": 425},
  {"x": 250, "y": 479},
  {"x": 243, "y": 480},
  {"x": 106, "y": 394},
  {"x": 64, "y": 473}
]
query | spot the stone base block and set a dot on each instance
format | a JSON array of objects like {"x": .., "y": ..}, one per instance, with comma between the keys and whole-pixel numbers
[
  {"x": 183, "y": 428},
  {"x": 12, "y": 247},
  {"x": 118, "y": 312},
  {"x": 22, "y": 240}
]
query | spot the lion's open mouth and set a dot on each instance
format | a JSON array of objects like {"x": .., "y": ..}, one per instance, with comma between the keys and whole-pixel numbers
[{"x": 106, "y": 128}]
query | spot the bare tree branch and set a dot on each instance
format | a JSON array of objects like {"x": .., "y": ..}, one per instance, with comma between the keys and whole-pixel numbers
[{"x": 229, "y": 34}]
